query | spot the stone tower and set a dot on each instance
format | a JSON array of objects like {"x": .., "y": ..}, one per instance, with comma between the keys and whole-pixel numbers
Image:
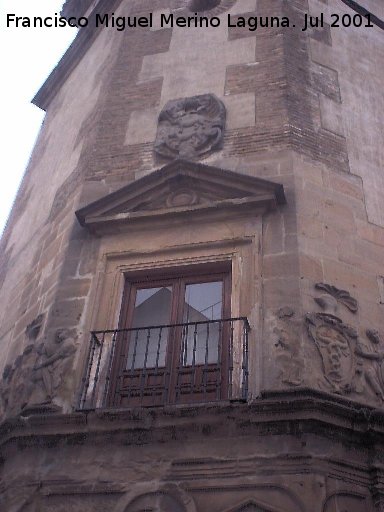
[{"x": 192, "y": 279}]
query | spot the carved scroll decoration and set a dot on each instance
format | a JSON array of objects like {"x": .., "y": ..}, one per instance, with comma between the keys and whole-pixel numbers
[
  {"x": 190, "y": 127},
  {"x": 342, "y": 296}
]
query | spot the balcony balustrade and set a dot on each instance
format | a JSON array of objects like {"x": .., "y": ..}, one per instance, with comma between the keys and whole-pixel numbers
[{"x": 195, "y": 362}]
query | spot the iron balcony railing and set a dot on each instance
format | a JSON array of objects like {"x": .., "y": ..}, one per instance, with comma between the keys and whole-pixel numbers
[{"x": 191, "y": 362}]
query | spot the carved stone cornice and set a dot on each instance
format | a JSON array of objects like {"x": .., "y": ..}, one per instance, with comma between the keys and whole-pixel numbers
[
  {"x": 180, "y": 188},
  {"x": 73, "y": 55},
  {"x": 296, "y": 411},
  {"x": 75, "y": 7}
]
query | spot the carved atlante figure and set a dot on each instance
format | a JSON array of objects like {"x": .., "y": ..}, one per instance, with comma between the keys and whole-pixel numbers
[
  {"x": 287, "y": 332},
  {"x": 373, "y": 372},
  {"x": 16, "y": 385},
  {"x": 50, "y": 365}
]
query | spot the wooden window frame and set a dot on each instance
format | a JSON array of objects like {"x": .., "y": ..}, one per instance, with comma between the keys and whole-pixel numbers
[{"x": 179, "y": 278}]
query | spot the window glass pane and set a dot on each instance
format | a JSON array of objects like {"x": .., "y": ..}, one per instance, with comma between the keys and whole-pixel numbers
[
  {"x": 203, "y": 303},
  {"x": 147, "y": 347}
]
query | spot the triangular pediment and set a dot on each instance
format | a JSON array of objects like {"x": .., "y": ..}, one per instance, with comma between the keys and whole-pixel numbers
[{"x": 179, "y": 188}]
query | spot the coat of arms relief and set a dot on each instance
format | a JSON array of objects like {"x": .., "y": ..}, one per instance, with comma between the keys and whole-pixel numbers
[
  {"x": 351, "y": 364},
  {"x": 192, "y": 127},
  {"x": 346, "y": 361}
]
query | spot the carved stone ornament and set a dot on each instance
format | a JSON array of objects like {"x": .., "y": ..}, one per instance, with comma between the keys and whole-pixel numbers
[
  {"x": 287, "y": 331},
  {"x": 203, "y": 7},
  {"x": 190, "y": 127},
  {"x": 156, "y": 502},
  {"x": 248, "y": 506},
  {"x": 336, "y": 343},
  {"x": 30, "y": 384},
  {"x": 180, "y": 187},
  {"x": 341, "y": 296},
  {"x": 33, "y": 329},
  {"x": 370, "y": 365},
  {"x": 156, "y": 497}
]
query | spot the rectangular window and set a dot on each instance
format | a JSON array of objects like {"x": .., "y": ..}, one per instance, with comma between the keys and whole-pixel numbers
[{"x": 173, "y": 342}]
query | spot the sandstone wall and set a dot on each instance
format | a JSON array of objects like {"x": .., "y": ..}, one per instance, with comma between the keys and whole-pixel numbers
[{"x": 291, "y": 101}]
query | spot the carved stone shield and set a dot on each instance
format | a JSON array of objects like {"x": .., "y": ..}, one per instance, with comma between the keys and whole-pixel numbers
[
  {"x": 334, "y": 341},
  {"x": 190, "y": 127}
]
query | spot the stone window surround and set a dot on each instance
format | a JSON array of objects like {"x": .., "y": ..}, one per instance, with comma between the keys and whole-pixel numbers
[
  {"x": 117, "y": 266},
  {"x": 141, "y": 230}
]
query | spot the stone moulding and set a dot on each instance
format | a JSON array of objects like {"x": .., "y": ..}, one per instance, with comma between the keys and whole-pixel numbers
[
  {"x": 180, "y": 500},
  {"x": 294, "y": 414},
  {"x": 75, "y": 7},
  {"x": 178, "y": 189},
  {"x": 298, "y": 410}
]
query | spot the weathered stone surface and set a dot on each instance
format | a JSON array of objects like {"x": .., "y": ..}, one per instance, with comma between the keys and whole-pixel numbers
[
  {"x": 303, "y": 110},
  {"x": 31, "y": 383},
  {"x": 190, "y": 127},
  {"x": 170, "y": 456}
]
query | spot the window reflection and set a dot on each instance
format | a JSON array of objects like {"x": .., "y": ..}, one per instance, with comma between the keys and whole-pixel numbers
[
  {"x": 147, "y": 348},
  {"x": 203, "y": 302}
]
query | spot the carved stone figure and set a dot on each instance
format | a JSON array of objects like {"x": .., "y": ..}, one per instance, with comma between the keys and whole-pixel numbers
[
  {"x": 287, "y": 331},
  {"x": 341, "y": 296},
  {"x": 33, "y": 329},
  {"x": 31, "y": 382},
  {"x": 370, "y": 365},
  {"x": 335, "y": 342},
  {"x": 16, "y": 383},
  {"x": 50, "y": 366},
  {"x": 190, "y": 127}
]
